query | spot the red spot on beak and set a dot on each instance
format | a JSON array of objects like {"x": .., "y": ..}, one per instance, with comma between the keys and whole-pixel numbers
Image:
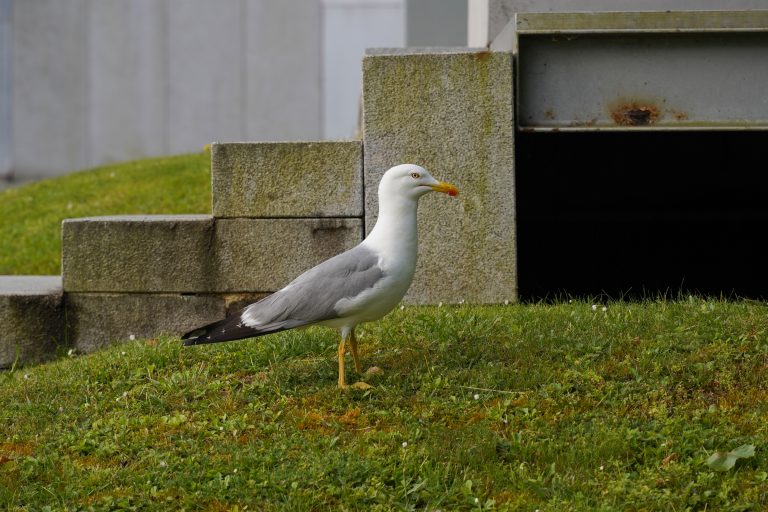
[{"x": 446, "y": 188}]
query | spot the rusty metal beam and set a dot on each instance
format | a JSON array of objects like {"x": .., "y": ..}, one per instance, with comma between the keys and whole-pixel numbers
[{"x": 642, "y": 71}]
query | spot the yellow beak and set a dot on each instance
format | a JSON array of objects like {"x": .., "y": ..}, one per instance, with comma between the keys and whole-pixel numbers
[{"x": 445, "y": 188}]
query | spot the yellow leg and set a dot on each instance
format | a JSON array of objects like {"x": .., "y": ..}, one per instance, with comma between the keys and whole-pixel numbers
[
  {"x": 342, "y": 379},
  {"x": 353, "y": 346},
  {"x": 349, "y": 336}
]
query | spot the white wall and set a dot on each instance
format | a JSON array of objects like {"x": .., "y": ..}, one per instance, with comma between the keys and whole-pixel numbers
[
  {"x": 349, "y": 27},
  {"x": 436, "y": 22},
  {"x": 5, "y": 89},
  {"x": 96, "y": 81},
  {"x": 206, "y": 87},
  {"x": 127, "y": 74},
  {"x": 284, "y": 66},
  {"x": 49, "y": 85}
]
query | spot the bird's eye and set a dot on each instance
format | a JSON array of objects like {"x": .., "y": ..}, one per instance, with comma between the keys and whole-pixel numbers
[{"x": 415, "y": 175}]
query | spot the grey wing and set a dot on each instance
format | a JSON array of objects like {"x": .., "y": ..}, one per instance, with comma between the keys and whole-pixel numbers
[{"x": 312, "y": 296}]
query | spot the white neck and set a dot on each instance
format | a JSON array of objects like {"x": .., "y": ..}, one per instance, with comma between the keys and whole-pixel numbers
[{"x": 395, "y": 230}]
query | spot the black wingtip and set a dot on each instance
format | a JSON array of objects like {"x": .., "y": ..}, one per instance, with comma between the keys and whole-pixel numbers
[
  {"x": 191, "y": 337},
  {"x": 230, "y": 329},
  {"x": 202, "y": 336},
  {"x": 201, "y": 339},
  {"x": 223, "y": 330}
]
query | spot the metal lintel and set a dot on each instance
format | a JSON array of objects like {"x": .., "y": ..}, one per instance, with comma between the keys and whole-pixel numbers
[
  {"x": 632, "y": 74},
  {"x": 666, "y": 21}
]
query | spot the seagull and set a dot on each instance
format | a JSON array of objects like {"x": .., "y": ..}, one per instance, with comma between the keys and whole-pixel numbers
[{"x": 360, "y": 285}]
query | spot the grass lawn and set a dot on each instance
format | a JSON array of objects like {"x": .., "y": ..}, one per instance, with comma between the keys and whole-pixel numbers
[
  {"x": 552, "y": 407},
  {"x": 32, "y": 214},
  {"x": 549, "y": 407}
]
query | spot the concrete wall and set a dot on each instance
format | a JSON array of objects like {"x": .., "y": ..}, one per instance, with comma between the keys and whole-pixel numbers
[
  {"x": 283, "y": 43},
  {"x": 94, "y": 81},
  {"x": 5, "y": 88},
  {"x": 436, "y": 22},
  {"x": 127, "y": 74},
  {"x": 49, "y": 84},
  {"x": 349, "y": 27}
]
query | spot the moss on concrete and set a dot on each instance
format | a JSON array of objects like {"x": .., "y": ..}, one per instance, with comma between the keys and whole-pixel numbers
[
  {"x": 138, "y": 253},
  {"x": 32, "y": 318},
  {"x": 196, "y": 253},
  {"x": 453, "y": 114},
  {"x": 99, "y": 319},
  {"x": 261, "y": 255},
  {"x": 287, "y": 179}
]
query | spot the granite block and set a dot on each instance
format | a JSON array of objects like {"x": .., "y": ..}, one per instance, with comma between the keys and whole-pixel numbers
[
  {"x": 32, "y": 318},
  {"x": 195, "y": 254},
  {"x": 99, "y": 319},
  {"x": 287, "y": 179},
  {"x": 139, "y": 253},
  {"x": 261, "y": 255},
  {"x": 451, "y": 113}
]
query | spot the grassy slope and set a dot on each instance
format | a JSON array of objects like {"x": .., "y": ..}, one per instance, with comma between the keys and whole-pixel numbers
[
  {"x": 551, "y": 407},
  {"x": 31, "y": 215},
  {"x": 554, "y": 407}
]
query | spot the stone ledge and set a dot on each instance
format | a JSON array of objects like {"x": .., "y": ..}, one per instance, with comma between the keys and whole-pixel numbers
[
  {"x": 195, "y": 254},
  {"x": 32, "y": 318},
  {"x": 138, "y": 253},
  {"x": 99, "y": 319},
  {"x": 263, "y": 255},
  {"x": 287, "y": 179}
]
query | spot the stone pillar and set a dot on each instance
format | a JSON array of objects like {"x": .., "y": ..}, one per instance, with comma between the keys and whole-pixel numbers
[{"x": 451, "y": 113}]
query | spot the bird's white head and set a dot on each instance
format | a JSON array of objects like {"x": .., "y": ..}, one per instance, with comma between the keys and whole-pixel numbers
[{"x": 412, "y": 181}]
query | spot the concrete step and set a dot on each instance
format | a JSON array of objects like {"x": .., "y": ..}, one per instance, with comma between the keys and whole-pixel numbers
[
  {"x": 196, "y": 253},
  {"x": 33, "y": 308},
  {"x": 452, "y": 113},
  {"x": 32, "y": 318},
  {"x": 287, "y": 179},
  {"x": 138, "y": 253},
  {"x": 99, "y": 319},
  {"x": 263, "y": 255}
]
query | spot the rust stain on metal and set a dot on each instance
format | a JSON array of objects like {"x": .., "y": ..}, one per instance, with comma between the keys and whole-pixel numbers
[
  {"x": 583, "y": 124},
  {"x": 549, "y": 114},
  {"x": 679, "y": 115},
  {"x": 634, "y": 114}
]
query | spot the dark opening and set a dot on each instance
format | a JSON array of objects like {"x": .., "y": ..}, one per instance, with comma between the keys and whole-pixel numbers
[{"x": 632, "y": 215}]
